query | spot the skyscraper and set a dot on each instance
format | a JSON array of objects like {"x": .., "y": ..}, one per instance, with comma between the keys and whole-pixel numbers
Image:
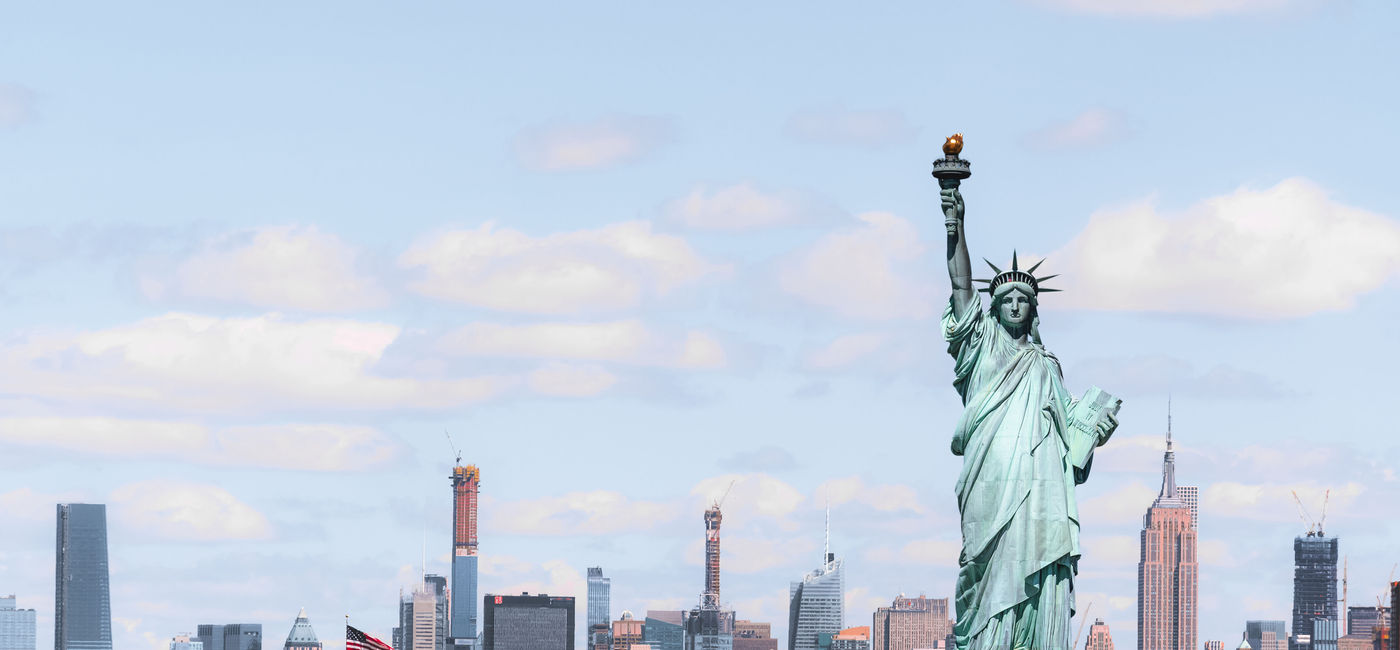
[
  {"x": 466, "y": 482},
  {"x": 1314, "y": 587},
  {"x": 234, "y": 636},
  {"x": 526, "y": 622},
  {"x": 816, "y": 603},
  {"x": 17, "y": 626},
  {"x": 750, "y": 635},
  {"x": 910, "y": 623},
  {"x": 1361, "y": 620},
  {"x": 1167, "y": 570},
  {"x": 82, "y": 597},
  {"x": 599, "y": 597},
  {"x": 423, "y": 616},
  {"x": 709, "y": 628},
  {"x": 713, "y": 517},
  {"x": 302, "y": 637},
  {"x": 1099, "y": 638},
  {"x": 664, "y": 629},
  {"x": 627, "y": 632},
  {"x": 1266, "y": 635}
]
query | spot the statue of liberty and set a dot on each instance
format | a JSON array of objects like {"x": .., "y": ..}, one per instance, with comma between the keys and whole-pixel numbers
[{"x": 1025, "y": 444}]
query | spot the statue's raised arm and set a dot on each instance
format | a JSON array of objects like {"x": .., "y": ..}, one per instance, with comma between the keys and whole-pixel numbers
[{"x": 950, "y": 171}]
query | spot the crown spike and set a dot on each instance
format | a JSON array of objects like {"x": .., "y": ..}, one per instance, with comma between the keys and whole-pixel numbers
[
  {"x": 989, "y": 263},
  {"x": 1047, "y": 277},
  {"x": 1037, "y": 265},
  {"x": 1014, "y": 266},
  {"x": 1044, "y": 290}
]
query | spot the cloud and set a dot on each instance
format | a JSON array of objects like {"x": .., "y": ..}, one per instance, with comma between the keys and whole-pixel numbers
[
  {"x": 926, "y": 552},
  {"x": 1283, "y": 252},
  {"x": 605, "y": 142},
  {"x": 845, "y": 351},
  {"x": 599, "y": 512},
  {"x": 180, "y": 510},
  {"x": 1274, "y": 501},
  {"x": 16, "y": 105},
  {"x": 746, "y": 207},
  {"x": 748, "y": 555},
  {"x": 1125, "y": 504},
  {"x": 606, "y": 269},
  {"x": 752, "y": 496},
  {"x": 1168, "y": 8},
  {"x": 259, "y": 364},
  {"x": 1113, "y": 551},
  {"x": 26, "y": 505},
  {"x": 627, "y": 341},
  {"x": 278, "y": 267},
  {"x": 860, "y": 272},
  {"x": 1163, "y": 375},
  {"x": 571, "y": 380},
  {"x": 870, "y": 129},
  {"x": 881, "y": 498},
  {"x": 512, "y": 575},
  {"x": 764, "y": 459},
  {"x": 308, "y": 447},
  {"x": 1091, "y": 129}
]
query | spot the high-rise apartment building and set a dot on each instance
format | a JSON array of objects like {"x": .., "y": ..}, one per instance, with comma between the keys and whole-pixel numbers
[
  {"x": 599, "y": 597},
  {"x": 710, "y": 596},
  {"x": 82, "y": 594},
  {"x": 233, "y": 636},
  {"x": 627, "y": 632},
  {"x": 525, "y": 622},
  {"x": 462, "y": 626},
  {"x": 186, "y": 642},
  {"x": 751, "y": 635},
  {"x": 1189, "y": 494},
  {"x": 423, "y": 617},
  {"x": 1266, "y": 635},
  {"x": 1361, "y": 620},
  {"x": 911, "y": 624},
  {"x": 664, "y": 629},
  {"x": 17, "y": 626},
  {"x": 816, "y": 603},
  {"x": 1314, "y": 589},
  {"x": 852, "y": 638},
  {"x": 1099, "y": 638},
  {"x": 709, "y": 628},
  {"x": 1167, "y": 569},
  {"x": 302, "y": 637}
]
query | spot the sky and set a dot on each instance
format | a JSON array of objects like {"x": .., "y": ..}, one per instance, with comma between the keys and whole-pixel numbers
[{"x": 255, "y": 259}]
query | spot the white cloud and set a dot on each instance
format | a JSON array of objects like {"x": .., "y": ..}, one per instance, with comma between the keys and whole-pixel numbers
[
  {"x": 599, "y": 512},
  {"x": 881, "y": 498},
  {"x": 1274, "y": 501},
  {"x": 1094, "y": 127},
  {"x": 927, "y": 552},
  {"x": 627, "y": 341},
  {"x": 1124, "y": 504},
  {"x": 26, "y": 505},
  {"x": 845, "y": 351},
  {"x": 745, "y": 207},
  {"x": 182, "y": 510},
  {"x": 264, "y": 363},
  {"x": 759, "y": 555},
  {"x": 1112, "y": 551},
  {"x": 601, "y": 143},
  {"x": 16, "y": 105},
  {"x": 609, "y": 268},
  {"x": 278, "y": 267},
  {"x": 861, "y": 272},
  {"x": 1283, "y": 252},
  {"x": 310, "y": 447},
  {"x": 571, "y": 380},
  {"x": 1168, "y": 8},
  {"x": 752, "y": 495},
  {"x": 512, "y": 576},
  {"x": 871, "y": 128}
]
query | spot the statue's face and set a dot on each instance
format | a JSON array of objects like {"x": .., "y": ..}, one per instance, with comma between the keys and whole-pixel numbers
[{"x": 1014, "y": 308}]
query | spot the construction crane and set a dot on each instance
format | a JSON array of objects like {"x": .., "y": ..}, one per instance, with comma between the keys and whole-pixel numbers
[
  {"x": 724, "y": 496},
  {"x": 1314, "y": 526},
  {"x": 1082, "y": 619},
  {"x": 458, "y": 452}
]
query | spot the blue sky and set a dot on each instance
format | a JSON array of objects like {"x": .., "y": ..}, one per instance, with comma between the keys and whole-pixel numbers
[{"x": 254, "y": 260}]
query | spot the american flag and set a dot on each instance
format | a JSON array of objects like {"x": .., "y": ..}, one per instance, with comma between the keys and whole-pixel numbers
[{"x": 357, "y": 640}]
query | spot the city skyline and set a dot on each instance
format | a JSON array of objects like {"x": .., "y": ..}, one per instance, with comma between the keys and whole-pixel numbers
[{"x": 254, "y": 262}]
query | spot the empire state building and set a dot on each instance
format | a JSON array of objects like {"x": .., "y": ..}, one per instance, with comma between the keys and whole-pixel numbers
[{"x": 1167, "y": 569}]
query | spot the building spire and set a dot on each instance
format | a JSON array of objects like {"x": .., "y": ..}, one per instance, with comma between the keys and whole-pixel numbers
[
  {"x": 826, "y": 545},
  {"x": 1168, "y": 461}
]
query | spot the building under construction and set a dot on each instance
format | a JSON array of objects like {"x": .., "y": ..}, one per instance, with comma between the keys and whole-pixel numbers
[
  {"x": 466, "y": 481},
  {"x": 1314, "y": 589},
  {"x": 708, "y": 627}
]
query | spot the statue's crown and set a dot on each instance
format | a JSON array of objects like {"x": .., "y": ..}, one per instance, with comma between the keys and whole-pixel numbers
[{"x": 1026, "y": 277}]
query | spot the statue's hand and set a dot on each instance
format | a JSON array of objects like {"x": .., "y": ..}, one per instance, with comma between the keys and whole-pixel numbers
[
  {"x": 953, "y": 209},
  {"x": 1107, "y": 426}
]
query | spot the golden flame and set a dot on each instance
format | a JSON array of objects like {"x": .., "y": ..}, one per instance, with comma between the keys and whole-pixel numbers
[{"x": 953, "y": 145}]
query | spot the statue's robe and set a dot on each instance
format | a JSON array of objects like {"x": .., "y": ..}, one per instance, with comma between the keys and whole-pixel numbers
[{"x": 1020, "y": 526}]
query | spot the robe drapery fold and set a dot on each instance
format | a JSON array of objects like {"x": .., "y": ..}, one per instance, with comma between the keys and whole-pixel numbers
[{"x": 1020, "y": 526}]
